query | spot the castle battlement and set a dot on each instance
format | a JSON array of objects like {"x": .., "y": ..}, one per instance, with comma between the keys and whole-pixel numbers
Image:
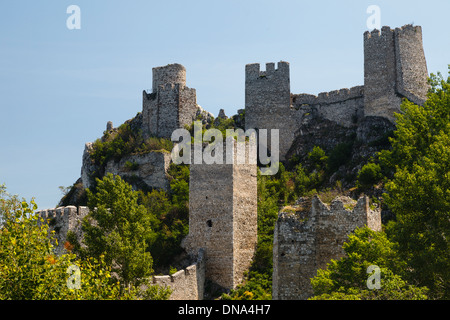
[
  {"x": 376, "y": 34},
  {"x": 253, "y": 70},
  {"x": 62, "y": 212},
  {"x": 326, "y": 98},
  {"x": 62, "y": 220}
]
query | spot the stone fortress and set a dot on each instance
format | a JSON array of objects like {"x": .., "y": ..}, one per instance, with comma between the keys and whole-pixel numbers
[{"x": 223, "y": 225}]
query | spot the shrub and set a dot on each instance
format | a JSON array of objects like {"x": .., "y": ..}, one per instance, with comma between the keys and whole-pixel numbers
[
  {"x": 339, "y": 156},
  {"x": 369, "y": 174}
]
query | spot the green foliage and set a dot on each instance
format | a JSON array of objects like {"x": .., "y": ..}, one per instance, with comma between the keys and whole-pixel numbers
[
  {"x": 418, "y": 193},
  {"x": 223, "y": 124},
  {"x": 258, "y": 288},
  {"x": 172, "y": 215},
  {"x": 339, "y": 156},
  {"x": 131, "y": 166},
  {"x": 120, "y": 229},
  {"x": 347, "y": 278},
  {"x": 318, "y": 158},
  {"x": 29, "y": 269},
  {"x": 369, "y": 174},
  {"x": 258, "y": 282},
  {"x": 125, "y": 141}
]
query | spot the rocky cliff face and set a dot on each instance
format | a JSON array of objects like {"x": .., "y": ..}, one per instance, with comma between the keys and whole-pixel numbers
[{"x": 361, "y": 141}]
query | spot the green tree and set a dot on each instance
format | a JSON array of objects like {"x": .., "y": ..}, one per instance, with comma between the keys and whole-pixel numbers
[
  {"x": 258, "y": 282},
  {"x": 346, "y": 279},
  {"x": 120, "y": 229},
  {"x": 29, "y": 270},
  {"x": 369, "y": 174},
  {"x": 318, "y": 158},
  {"x": 419, "y": 191}
]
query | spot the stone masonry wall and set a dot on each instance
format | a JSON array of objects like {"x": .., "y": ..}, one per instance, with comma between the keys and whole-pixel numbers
[
  {"x": 169, "y": 74},
  {"x": 309, "y": 235},
  {"x": 62, "y": 220},
  {"x": 412, "y": 72},
  {"x": 187, "y": 284},
  {"x": 344, "y": 106}
]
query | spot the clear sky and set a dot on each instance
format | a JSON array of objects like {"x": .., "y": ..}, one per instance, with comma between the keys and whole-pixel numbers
[{"x": 59, "y": 87}]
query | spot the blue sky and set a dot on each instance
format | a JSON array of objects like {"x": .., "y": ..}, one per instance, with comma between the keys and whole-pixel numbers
[{"x": 59, "y": 87}]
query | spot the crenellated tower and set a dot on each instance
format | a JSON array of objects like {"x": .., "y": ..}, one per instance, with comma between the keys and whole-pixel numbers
[
  {"x": 394, "y": 68},
  {"x": 268, "y": 101}
]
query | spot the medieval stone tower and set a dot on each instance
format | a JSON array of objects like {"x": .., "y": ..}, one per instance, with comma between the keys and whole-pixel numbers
[
  {"x": 394, "y": 68},
  {"x": 223, "y": 218},
  {"x": 268, "y": 101},
  {"x": 170, "y": 105}
]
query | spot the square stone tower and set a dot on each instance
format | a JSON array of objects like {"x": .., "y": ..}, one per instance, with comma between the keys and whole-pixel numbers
[
  {"x": 268, "y": 102},
  {"x": 223, "y": 219},
  {"x": 170, "y": 105}
]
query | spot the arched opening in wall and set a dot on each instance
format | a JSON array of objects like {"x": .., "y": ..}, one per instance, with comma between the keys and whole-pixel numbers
[{"x": 209, "y": 223}]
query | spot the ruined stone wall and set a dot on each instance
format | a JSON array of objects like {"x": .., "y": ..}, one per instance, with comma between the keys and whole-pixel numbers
[
  {"x": 187, "y": 107},
  {"x": 309, "y": 235},
  {"x": 187, "y": 284},
  {"x": 245, "y": 228},
  {"x": 412, "y": 72},
  {"x": 210, "y": 219},
  {"x": 62, "y": 220},
  {"x": 344, "y": 106},
  {"x": 167, "y": 108}
]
